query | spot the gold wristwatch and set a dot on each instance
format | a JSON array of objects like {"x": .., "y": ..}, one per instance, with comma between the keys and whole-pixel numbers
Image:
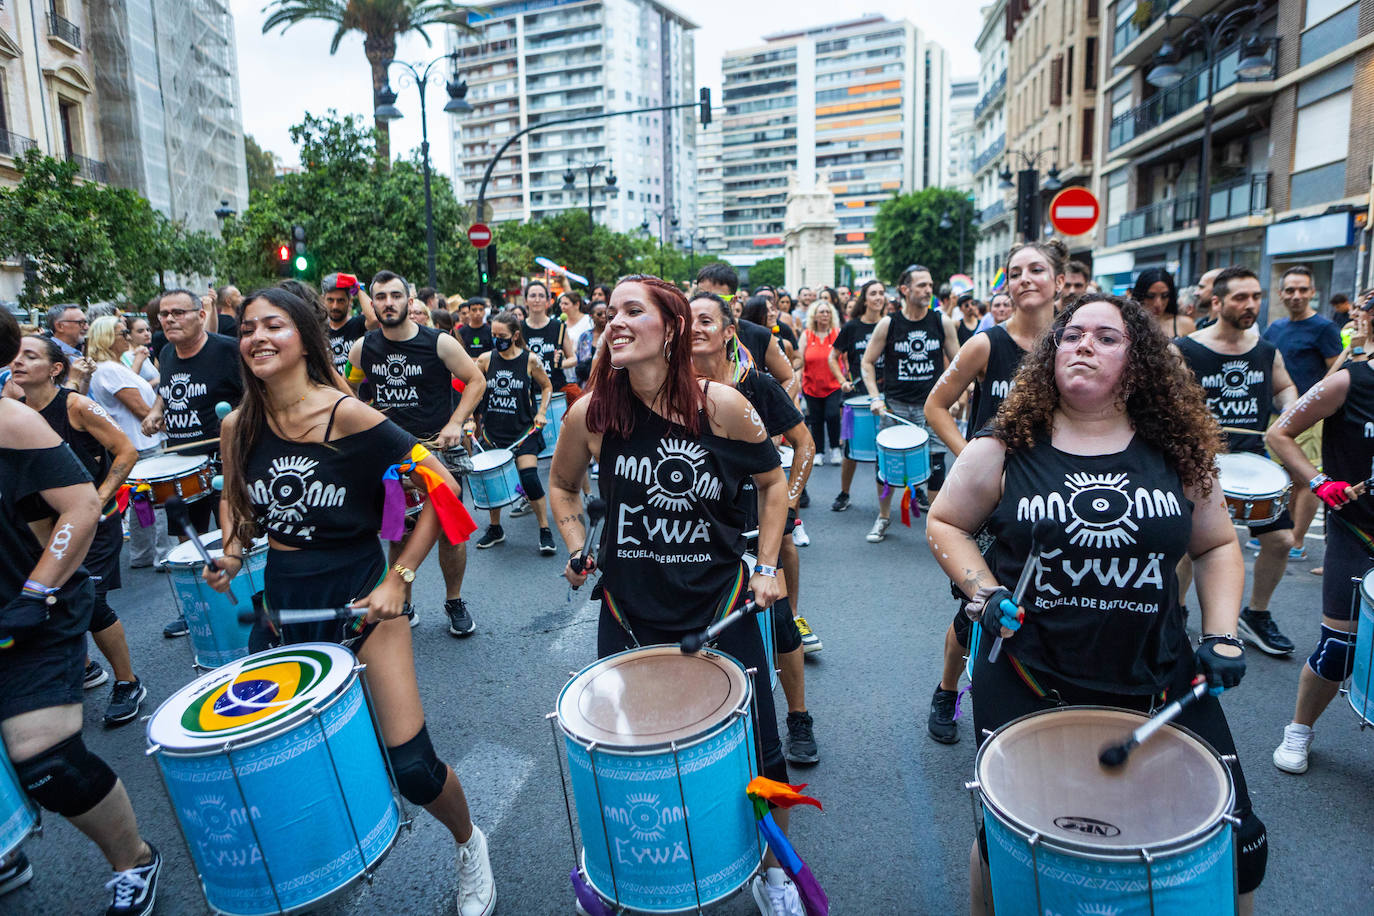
[{"x": 407, "y": 575}]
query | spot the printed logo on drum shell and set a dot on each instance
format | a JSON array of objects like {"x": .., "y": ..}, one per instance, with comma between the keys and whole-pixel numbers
[
  {"x": 647, "y": 820},
  {"x": 1088, "y": 826}
]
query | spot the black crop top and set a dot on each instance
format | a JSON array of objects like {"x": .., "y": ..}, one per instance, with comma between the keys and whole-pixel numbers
[{"x": 323, "y": 494}]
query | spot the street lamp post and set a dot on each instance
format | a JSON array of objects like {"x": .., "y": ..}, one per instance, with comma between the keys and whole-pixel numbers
[
  {"x": 457, "y": 103},
  {"x": 1028, "y": 189},
  {"x": 570, "y": 182},
  {"x": 1207, "y": 32},
  {"x": 667, "y": 213},
  {"x": 223, "y": 212}
]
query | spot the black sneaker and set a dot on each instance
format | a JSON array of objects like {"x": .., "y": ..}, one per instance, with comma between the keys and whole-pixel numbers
[
  {"x": 95, "y": 676},
  {"x": 841, "y": 502},
  {"x": 940, "y": 723},
  {"x": 176, "y": 628},
  {"x": 804, "y": 501},
  {"x": 459, "y": 620},
  {"x": 495, "y": 535},
  {"x": 16, "y": 872},
  {"x": 800, "y": 744},
  {"x": 1258, "y": 627},
  {"x": 125, "y": 701},
  {"x": 546, "y": 547},
  {"x": 921, "y": 500},
  {"x": 412, "y": 613},
  {"x": 135, "y": 889},
  {"x": 522, "y": 508}
]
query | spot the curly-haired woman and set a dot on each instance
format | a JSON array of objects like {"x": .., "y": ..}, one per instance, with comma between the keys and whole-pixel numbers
[{"x": 1105, "y": 432}]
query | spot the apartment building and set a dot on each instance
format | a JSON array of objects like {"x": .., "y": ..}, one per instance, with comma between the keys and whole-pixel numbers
[
  {"x": 860, "y": 103},
  {"x": 710, "y": 221},
  {"x": 1288, "y": 176},
  {"x": 535, "y": 61},
  {"x": 1051, "y": 101},
  {"x": 961, "y": 146},
  {"x": 995, "y": 211}
]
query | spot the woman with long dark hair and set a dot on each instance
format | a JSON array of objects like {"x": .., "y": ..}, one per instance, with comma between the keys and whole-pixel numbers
[
  {"x": 1155, "y": 290},
  {"x": 294, "y": 422}
]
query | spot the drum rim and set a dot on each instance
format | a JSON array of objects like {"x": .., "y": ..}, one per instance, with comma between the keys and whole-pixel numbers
[
  {"x": 1107, "y": 853},
  {"x": 510, "y": 457},
  {"x": 902, "y": 429},
  {"x": 739, "y": 711},
  {"x": 259, "y": 547},
  {"x": 276, "y": 728},
  {"x": 1255, "y": 461},
  {"x": 197, "y": 463},
  {"x": 857, "y": 400}
]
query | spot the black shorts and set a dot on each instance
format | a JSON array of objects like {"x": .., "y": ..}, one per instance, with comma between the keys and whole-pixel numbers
[
  {"x": 1283, "y": 523},
  {"x": 48, "y": 672},
  {"x": 102, "y": 559},
  {"x": 320, "y": 578}
]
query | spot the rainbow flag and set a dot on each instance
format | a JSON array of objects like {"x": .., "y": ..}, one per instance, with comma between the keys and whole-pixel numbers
[{"x": 999, "y": 280}]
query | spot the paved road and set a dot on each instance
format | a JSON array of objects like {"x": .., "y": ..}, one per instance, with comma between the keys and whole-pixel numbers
[{"x": 895, "y": 833}]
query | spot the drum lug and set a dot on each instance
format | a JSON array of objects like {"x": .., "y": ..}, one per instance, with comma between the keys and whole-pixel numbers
[
  {"x": 972, "y": 785},
  {"x": 1229, "y": 759},
  {"x": 549, "y": 715},
  {"x": 359, "y": 668},
  {"x": 152, "y": 749},
  {"x": 987, "y": 733},
  {"x": 1231, "y": 819},
  {"x": 751, "y": 671}
]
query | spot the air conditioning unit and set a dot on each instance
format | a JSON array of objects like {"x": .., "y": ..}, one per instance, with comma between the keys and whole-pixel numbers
[{"x": 1235, "y": 154}]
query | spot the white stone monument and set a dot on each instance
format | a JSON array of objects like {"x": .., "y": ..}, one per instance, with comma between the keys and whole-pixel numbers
[{"x": 808, "y": 235}]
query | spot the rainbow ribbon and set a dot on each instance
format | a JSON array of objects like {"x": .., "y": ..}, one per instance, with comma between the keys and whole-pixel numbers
[
  {"x": 999, "y": 279},
  {"x": 453, "y": 515},
  {"x": 763, "y": 791}
]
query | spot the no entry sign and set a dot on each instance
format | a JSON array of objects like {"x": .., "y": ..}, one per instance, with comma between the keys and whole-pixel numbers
[
  {"x": 479, "y": 235},
  {"x": 1074, "y": 211}
]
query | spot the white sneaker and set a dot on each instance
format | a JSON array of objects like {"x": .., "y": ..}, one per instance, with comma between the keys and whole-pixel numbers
[
  {"x": 1291, "y": 755},
  {"x": 836, "y": 457},
  {"x": 777, "y": 899},
  {"x": 819, "y": 460},
  {"x": 879, "y": 530},
  {"x": 799, "y": 536},
  {"x": 476, "y": 886}
]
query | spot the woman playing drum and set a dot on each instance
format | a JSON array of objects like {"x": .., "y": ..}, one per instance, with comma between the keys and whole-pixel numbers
[
  {"x": 673, "y": 452},
  {"x": 1106, "y": 433},
  {"x": 305, "y": 465}
]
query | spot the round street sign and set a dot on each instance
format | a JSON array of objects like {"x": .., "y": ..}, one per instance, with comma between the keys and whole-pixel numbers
[
  {"x": 479, "y": 235},
  {"x": 1074, "y": 211}
]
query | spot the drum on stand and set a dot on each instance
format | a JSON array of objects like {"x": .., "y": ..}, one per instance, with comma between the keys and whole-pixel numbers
[
  {"x": 277, "y": 778},
  {"x": 494, "y": 479},
  {"x": 903, "y": 456},
  {"x": 19, "y": 816},
  {"x": 216, "y": 635},
  {"x": 1360, "y": 687},
  {"x": 187, "y": 476},
  {"x": 1256, "y": 489},
  {"x": 1068, "y": 835},
  {"x": 558, "y": 406},
  {"x": 660, "y": 746},
  {"x": 861, "y": 424}
]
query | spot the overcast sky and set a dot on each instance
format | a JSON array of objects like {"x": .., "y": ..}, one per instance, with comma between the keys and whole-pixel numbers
[{"x": 281, "y": 76}]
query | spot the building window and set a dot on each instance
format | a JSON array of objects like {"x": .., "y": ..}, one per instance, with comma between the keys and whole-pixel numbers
[
  {"x": 69, "y": 117},
  {"x": 1319, "y": 151}
]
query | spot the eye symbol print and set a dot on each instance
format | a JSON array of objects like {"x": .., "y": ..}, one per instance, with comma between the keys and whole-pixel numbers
[
  {"x": 502, "y": 382},
  {"x": 1100, "y": 511},
  {"x": 287, "y": 487},
  {"x": 678, "y": 478},
  {"x": 1233, "y": 379},
  {"x": 395, "y": 369},
  {"x": 178, "y": 390}
]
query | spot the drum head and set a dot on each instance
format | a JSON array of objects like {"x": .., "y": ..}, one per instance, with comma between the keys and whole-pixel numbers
[
  {"x": 160, "y": 467},
  {"x": 185, "y": 554},
  {"x": 1246, "y": 474},
  {"x": 251, "y": 697},
  {"x": 902, "y": 438},
  {"x": 1041, "y": 773},
  {"x": 643, "y": 698},
  {"x": 858, "y": 402},
  {"x": 492, "y": 458}
]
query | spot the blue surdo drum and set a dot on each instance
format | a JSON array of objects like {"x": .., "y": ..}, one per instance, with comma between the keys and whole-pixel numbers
[
  {"x": 903, "y": 456},
  {"x": 558, "y": 406},
  {"x": 859, "y": 427},
  {"x": 1067, "y": 835},
  {"x": 18, "y": 815},
  {"x": 494, "y": 479},
  {"x": 277, "y": 778},
  {"x": 1361, "y": 693},
  {"x": 660, "y": 748},
  {"x": 217, "y": 635}
]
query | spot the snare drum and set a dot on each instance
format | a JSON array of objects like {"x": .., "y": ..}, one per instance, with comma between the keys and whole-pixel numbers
[
  {"x": 217, "y": 636},
  {"x": 18, "y": 815},
  {"x": 494, "y": 479},
  {"x": 276, "y": 776},
  {"x": 903, "y": 456},
  {"x": 1361, "y": 693},
  {"x": 558, "y": 406},
  {"x": 1256, "y": 489},
  {"x": 187, "y": 476},
  {"x": 859, "y": 427},
  {"x": 1068, "y": 835},
  {"x": 660, "y": 747}
]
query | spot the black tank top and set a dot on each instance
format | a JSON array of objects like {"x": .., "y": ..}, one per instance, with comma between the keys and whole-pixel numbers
[
  {"x": 547, "y": 344},
  {"x": 508, "y": 405},
  {"x": 1348, "y": 442},
  {"x": 87, "y": 448},
  {"x": 1239, "y": 388},
  {"x": 1104, "y": 612},
  {"x": 912, "y": 356},
  {"x": 1004, "y": 358},
  {"x": 964, "y": 332},
  {"x": 323, "y": 494},
  {"x": 412, "y": 386},
  {"x": 674, "y": 523}
]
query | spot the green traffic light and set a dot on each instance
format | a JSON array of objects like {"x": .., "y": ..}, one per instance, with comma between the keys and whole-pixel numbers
[{"x": 301, "y": 263}]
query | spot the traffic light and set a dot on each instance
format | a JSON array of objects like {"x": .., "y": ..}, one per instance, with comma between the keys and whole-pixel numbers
[
  {"x": 283, "y": 260},
  {"x": 1028, "y": 204},
  {"x": 704, "y": 106},
  {"x": 298, "y": 245},
  {"x": 491, "y": 260}
]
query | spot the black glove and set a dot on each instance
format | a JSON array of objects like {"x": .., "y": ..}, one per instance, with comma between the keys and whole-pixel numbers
[
  {"x": 986, "y": 608},
  {"x": 23, "y": 616},
  {"x": 1222, "y": 671}
]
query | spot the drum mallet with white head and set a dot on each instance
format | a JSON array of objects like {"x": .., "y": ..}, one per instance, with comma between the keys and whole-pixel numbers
[
  {"x": 1042, "y": 532},
  {"x": 693, "y": 642},
  {"x": 596, "y": 516},
  {"x": 1114, "y": 755},
  {"x": 178, "y": 516}
]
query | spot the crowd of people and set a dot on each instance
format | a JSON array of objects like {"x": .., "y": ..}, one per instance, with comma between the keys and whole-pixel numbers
[{"x": 1049, "y": 389}]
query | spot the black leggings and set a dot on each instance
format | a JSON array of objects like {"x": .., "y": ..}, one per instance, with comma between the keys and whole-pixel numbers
[{"x": 822, "y": 415}]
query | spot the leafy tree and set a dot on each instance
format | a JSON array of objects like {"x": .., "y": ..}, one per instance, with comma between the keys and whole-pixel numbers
[
  {"x": 602, "y": 256},
  {"x": 380, "y": 22},
  {"x": 768, "y": 272},
  {"x": 262, "y": 165},
  {"x": 907, "y": 231}
]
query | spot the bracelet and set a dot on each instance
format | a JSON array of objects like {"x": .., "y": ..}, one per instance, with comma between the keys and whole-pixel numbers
[
  {"x": 769, "y": 571},
  {"x": 1317, "y": 481},
  {"x": 1229, "y": 638},
  {"x": 39, "y": 589}
]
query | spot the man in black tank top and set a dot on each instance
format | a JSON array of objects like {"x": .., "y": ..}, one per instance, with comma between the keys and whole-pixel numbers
[
  {"x": 412, "y": 370},
  {"x": 1245, "y": 381},
  {"x": 915, "y": 345},
  {"x": 547, "y": 337}
]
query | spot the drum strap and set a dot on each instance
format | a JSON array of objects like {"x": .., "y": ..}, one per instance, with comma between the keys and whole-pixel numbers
[
  {"x": 1365, "y": 540},
  {"x": 725, "y": 605},
  {"x": 1034, "y": 686},
  {"x": 529, "y": 431}
]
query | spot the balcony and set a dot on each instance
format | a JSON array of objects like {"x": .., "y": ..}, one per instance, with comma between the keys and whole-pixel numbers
[
  {"x": 988, "y": 214},
  {"x": 64, "y": 30},
  {"x": 1174, "y": 101},
  {"x": 989, "y": 154},
  {"x": 90, "y": 169},
  {"x": 1141, "y": 19},
  {"x": 990, "y": 96},
  {"x": 1244, "y": 196},
  {"x": 12, "y": 144}
]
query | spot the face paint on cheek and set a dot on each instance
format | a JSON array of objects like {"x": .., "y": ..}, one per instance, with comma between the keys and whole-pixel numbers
[{"x": 61, "y": 541}]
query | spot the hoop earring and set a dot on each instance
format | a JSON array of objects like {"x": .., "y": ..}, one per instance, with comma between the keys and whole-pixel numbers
[{"x": 666, "y": 345}]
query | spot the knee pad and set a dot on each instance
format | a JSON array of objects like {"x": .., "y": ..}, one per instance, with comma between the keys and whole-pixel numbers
[
  {"x": 67, "y": 779},
  {"x": 1334, "y": 657},
  {"x": 529, "y": 482},
  {"x": 420, "y": 774},
  {"x": 937, "y": 472},
  {"x": 1253, "y": 858}
]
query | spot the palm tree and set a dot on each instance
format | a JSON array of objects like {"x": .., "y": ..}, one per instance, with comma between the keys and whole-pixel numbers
[{"x": 380, "y": 21}]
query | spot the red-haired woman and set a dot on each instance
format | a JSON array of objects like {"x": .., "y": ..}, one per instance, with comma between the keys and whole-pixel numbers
[{"x": 647, "y": 408}]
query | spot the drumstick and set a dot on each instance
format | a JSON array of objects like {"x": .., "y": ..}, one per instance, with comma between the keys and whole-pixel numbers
[
  {"x": 178, "y": 515},
  {"x": 1041, "y": 532},
  {"x": 1114, "y": 755},
  {"x": 693, "y": 642},
  {"x": 197, "y": 444},
  {"x": 308, "y": 615},
  {"x": 596, "y": 515}
]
